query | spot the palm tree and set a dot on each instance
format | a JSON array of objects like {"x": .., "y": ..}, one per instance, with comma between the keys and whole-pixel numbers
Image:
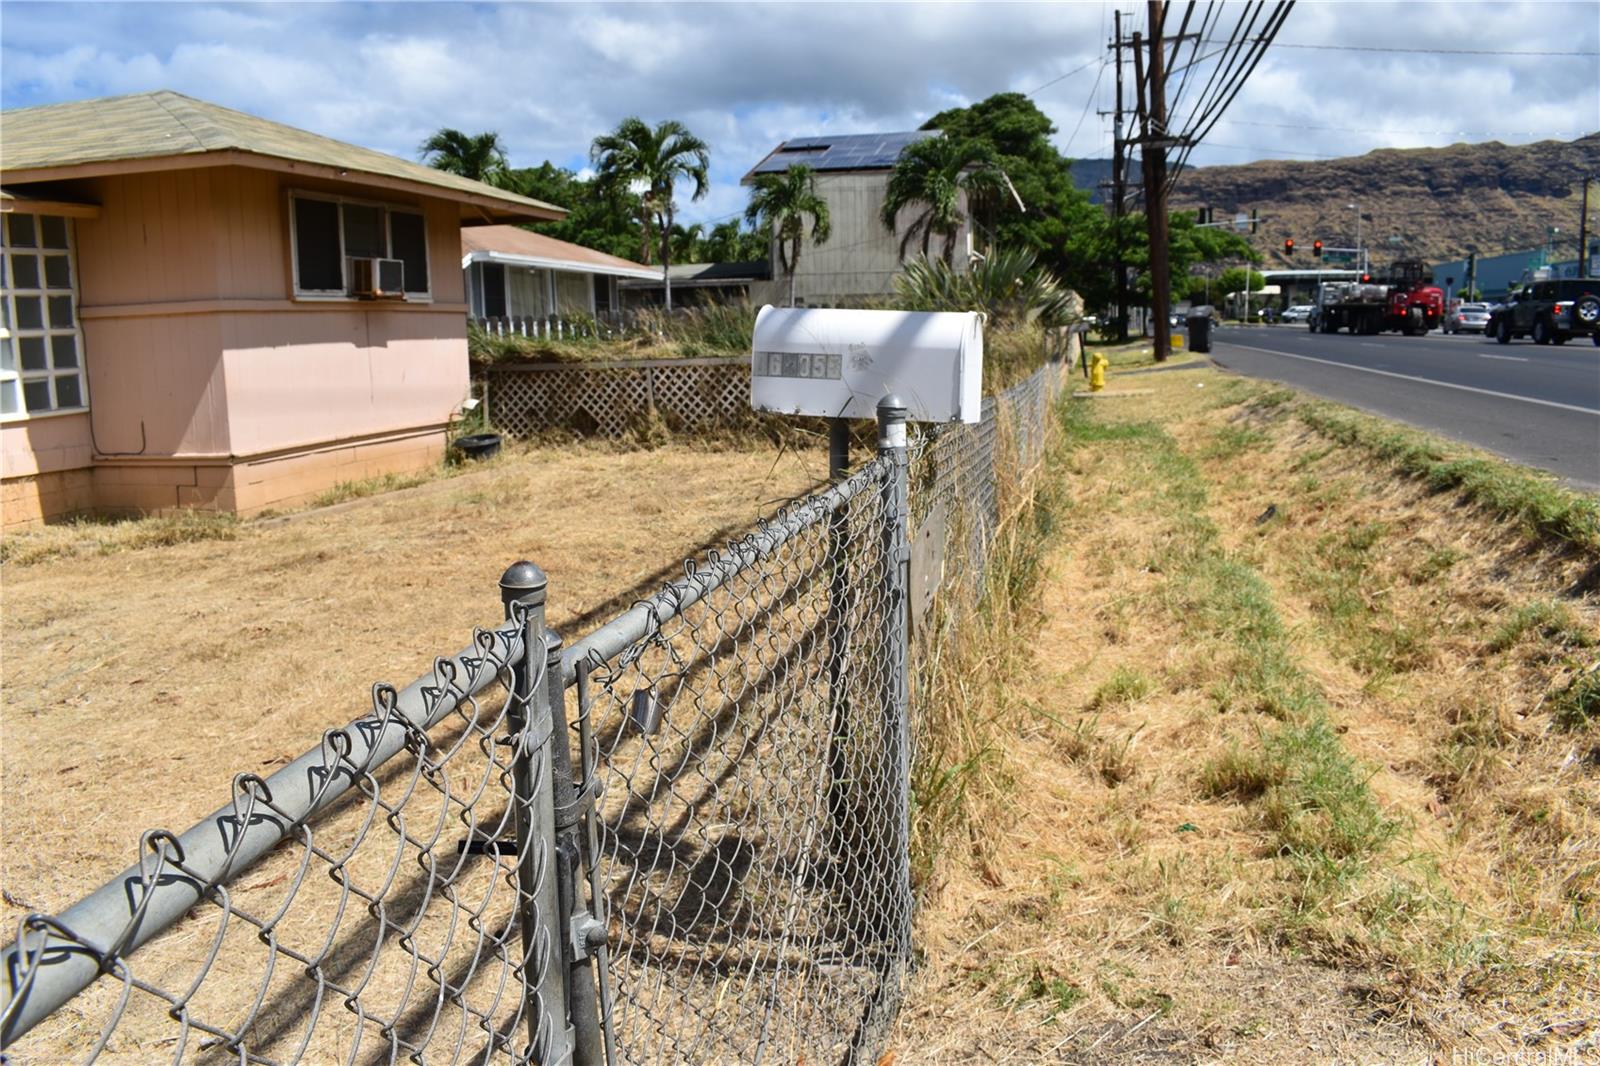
[
  {"x": 933, "y": 173},
  {"x": 652, "y": 161},
  {"x": 480, "y": 157},
  {"x": 781, "y": 203}
]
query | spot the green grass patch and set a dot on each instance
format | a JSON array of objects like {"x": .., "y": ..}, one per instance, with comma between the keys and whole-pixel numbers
[
  {"x": 345, "y": 491},
  {"x": 1312, "y": 797},
  {"x": 1550, "y": 621},
  {"x": 107, "y": 536},
  {"x": 1125, "y": 685},
  {"x": 1536, "y": 500}
]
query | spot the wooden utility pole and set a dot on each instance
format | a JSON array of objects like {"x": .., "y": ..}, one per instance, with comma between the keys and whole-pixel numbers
[
  {"x": 1154, "y": 143},
  {"x": 1119, "y": 191},
  {"x": 1583, "y": 231}
]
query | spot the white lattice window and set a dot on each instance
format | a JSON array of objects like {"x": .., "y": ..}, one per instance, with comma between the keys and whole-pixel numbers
[{"x": 41, "y": 344}]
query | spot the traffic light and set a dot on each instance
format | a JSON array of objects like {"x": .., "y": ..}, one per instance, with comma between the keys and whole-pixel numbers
[
  {"x": 1316, "y": 249},
  {"x": 1365, "y": 278},
  {"x": 1288, "y": 246}
]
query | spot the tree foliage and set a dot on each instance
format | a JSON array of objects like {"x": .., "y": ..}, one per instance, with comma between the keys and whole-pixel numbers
[
  {"x": 651, "y": 161},
  {"x": 781, "y": 204},
  {"x": 480, "y": 156},
  {"x": 930, "y": 177}
]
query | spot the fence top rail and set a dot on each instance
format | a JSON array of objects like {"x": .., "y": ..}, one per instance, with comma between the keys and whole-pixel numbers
[
  {"x": 55, "y": 958},
  {"x": 648, "y": 616},
  {"x": 616, "y": 364}
]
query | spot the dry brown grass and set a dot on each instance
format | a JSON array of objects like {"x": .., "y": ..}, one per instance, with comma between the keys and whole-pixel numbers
[
  {"x": 1136, "y": 903},
  {"x": 138, "y": 682}
]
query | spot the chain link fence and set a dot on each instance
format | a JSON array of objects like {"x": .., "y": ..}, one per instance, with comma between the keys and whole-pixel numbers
[{"x": 682, "y": 838}]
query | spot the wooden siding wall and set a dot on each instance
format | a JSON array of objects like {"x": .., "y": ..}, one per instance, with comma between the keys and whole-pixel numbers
[
  {"x": 861, "y": 257},
  {"x": 190, "y": 327}
]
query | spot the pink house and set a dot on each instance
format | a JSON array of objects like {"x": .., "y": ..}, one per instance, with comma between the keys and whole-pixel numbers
[{"x": 202, "y": 308}]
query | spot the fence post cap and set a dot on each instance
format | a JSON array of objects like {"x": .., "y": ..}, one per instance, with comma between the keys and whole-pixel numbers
[{"x": 523, "y": 582}]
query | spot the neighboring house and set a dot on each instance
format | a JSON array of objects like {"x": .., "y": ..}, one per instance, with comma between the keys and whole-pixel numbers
[
  {"x": 516, "y": 273},
  {"x": 206, "y": 309},
  {"x": 859, "y": 260},
  {"x": 699, "y": 283}
]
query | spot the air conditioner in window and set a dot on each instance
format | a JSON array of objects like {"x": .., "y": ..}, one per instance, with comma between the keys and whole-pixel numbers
[{"x": 377, "y": 279}]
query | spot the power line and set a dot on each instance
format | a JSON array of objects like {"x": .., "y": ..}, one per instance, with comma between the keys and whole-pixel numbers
[
  {"x": 1087, "y": 104},
  {"x": 1434, "y": 51},
  {"x": 1408, "y": 129},
  {"x": 1064, "y": 77}
]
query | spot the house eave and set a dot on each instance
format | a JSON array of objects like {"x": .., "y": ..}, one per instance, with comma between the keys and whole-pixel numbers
[
  {"x": 543, "y": 263},
  {"x": 476, "y": 208}
]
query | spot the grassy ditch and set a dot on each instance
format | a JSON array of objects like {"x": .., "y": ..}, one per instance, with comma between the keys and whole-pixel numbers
[{"x": 1296, "y": 757}]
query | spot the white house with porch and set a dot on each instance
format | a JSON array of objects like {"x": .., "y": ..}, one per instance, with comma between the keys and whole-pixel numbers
[{"x": 516, "y": 274}]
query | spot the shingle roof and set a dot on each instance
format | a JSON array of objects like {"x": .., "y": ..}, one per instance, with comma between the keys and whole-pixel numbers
[
  {"x": 851, "y": 151},
  {"x": 514, "y": 243},
  {"x": 164, "y": 123}
]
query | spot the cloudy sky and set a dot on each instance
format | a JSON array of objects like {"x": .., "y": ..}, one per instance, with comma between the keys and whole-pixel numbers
[{"x": 744, "y": 76}]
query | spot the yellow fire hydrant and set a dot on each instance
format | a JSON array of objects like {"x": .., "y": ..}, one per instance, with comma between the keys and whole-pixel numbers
[{"x": 1097, "y": 371}]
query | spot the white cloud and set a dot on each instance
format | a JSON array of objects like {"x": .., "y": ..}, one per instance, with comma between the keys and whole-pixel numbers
[{"x": 549, "y": 77}]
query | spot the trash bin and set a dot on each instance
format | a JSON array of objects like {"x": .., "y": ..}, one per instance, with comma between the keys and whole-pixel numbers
[{"x": 1199, "y": 323}]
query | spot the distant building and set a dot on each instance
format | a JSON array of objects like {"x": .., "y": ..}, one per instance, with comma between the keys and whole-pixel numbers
[
  {"x": 697, "y": 283},
  {"x": 861, "y": 257},
  {"x": 515, "y": 273},
  {"x": 1496, "y": 274}
]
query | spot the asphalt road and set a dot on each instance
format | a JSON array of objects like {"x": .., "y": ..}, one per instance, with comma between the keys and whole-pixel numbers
[{"x": 1537, "y": 405}]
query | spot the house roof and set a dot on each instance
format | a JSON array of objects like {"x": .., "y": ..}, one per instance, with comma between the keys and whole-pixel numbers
[
  {"x": 56, "y": 140},
  {"x": 850, "y": 151},
  {"x": 710, "y": 274},
  {"x": 520, "y": 247}
]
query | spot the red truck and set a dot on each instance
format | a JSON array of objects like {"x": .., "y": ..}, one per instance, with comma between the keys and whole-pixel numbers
[{"x": 1407, "y": 301}]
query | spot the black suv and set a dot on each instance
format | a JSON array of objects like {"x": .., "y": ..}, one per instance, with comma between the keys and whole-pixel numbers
[{"x": 1551, "y": 312}]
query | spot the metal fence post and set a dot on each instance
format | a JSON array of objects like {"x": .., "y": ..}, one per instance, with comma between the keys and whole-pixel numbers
[
  {"x": 838, "y": 628},
  {"x": 522, "y": 591},
  {"x": 894, "y": 894},
  {"x": 582, "y": 932}
]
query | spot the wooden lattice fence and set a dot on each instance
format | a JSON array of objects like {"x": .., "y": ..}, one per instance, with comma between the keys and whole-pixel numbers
[{"x": 613, "y": 399}]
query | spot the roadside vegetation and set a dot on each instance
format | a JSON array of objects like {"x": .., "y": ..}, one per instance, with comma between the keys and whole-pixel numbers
[{"x": 1295, "y": 755}]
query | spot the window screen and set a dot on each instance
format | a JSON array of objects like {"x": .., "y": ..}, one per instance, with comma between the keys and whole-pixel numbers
[
  {"x": 363, "y": 232},
  {"x": 408, "y": 235},
  {"x": 319, "y": 266},
  {"x": 494, "y": 290}
]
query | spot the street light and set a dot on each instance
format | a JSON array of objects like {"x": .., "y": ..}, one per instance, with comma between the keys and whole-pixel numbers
[{"x": 1361, "y": 260}]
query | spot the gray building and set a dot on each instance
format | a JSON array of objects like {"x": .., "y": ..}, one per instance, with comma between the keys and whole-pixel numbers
[
  {"x": 858, "y": 262},
  {"x": 1499, "y": 273}
]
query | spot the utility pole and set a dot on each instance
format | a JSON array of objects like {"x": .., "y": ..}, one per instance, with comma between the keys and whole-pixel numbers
[
  {"x": 1119, "y": 192},
  {"x": 1154, "y": 144},
  {"x": 1583, "y": 230}
]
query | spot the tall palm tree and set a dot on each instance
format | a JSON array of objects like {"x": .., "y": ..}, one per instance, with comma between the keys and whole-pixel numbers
[
  {"x": 634, "y": 156},
  {"x": 933, "y": 173},
  {"x": 781, "y": 203},
  {"x": 480, "y": 157}
]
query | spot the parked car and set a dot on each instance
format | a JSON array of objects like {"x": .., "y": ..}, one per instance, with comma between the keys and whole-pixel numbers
[
  {"x": 1551, "y": 312},
  {"x": 1297, "y": 313},
  {"x": 1467, "y": 318}
]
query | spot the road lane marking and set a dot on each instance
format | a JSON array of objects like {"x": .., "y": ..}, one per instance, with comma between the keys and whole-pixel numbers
[
  {"x": 1507, "y": 358},
  {"x": 1423, "y": 381}
]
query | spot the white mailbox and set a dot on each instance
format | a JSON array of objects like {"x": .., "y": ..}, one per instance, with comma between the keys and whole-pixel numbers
[{"x": 839, "y": 364}]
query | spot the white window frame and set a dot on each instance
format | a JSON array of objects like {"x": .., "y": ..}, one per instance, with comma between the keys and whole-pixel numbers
[
  {"x": 14, "y": 377},
  {"x": 343, "y": 292}
]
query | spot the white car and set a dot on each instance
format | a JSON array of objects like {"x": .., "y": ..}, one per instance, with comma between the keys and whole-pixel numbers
[
  {"x": 1297, "y": 313},
  {"x": 1467, "y": 318}
]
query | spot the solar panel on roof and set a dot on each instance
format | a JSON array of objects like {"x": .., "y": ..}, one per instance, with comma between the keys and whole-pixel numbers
[{"x": 853, "y": 151}]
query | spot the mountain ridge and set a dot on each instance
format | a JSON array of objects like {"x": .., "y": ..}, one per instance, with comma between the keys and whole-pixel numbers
[{"x": 1437, "y": 204}]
